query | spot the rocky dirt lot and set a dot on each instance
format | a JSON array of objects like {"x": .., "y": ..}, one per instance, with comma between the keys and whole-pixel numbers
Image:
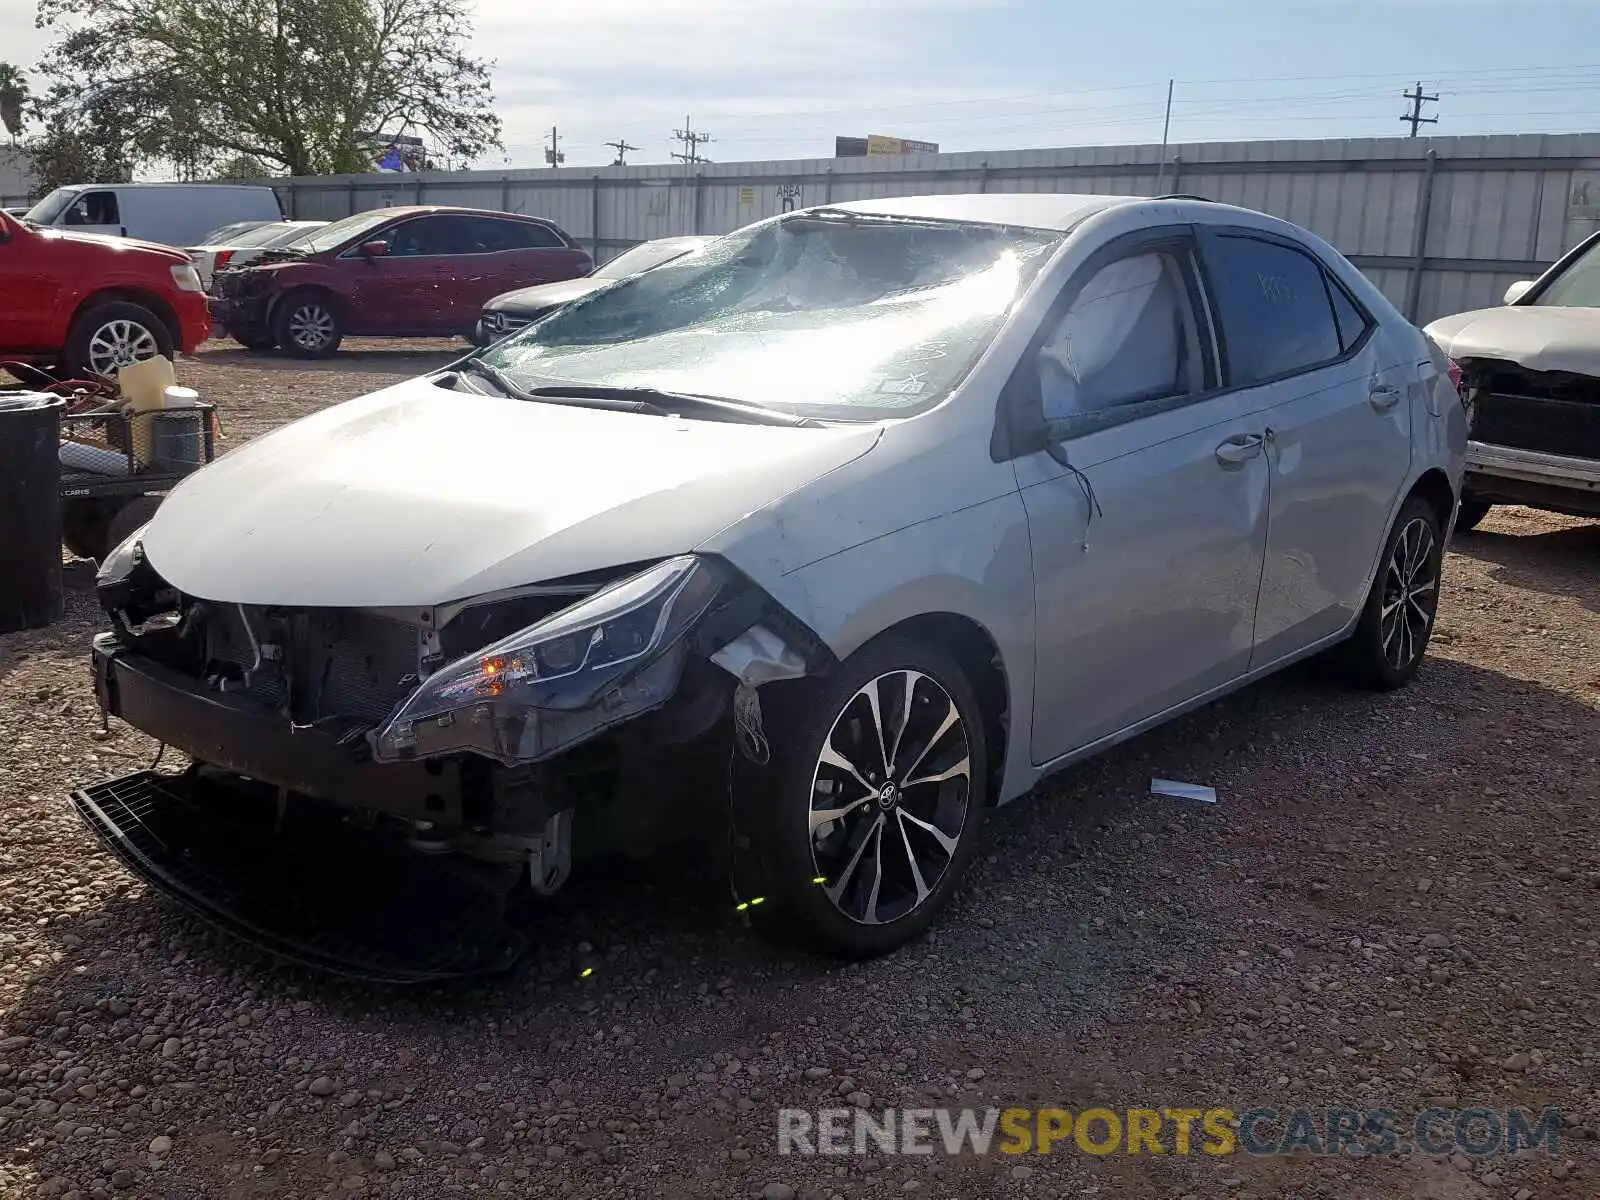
[{"x": 1395, "y": 904}]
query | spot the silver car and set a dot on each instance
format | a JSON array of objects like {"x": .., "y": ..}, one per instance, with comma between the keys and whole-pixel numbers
[{"x": 814, "y": 545}]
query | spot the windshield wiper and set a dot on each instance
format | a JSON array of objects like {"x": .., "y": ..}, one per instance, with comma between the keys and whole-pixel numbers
[
  {"x": 656, "y": 401},
  {"x": 668, "y": 403}
]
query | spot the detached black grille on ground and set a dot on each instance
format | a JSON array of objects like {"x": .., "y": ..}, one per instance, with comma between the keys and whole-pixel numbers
[{"x": 321, "y": 894}]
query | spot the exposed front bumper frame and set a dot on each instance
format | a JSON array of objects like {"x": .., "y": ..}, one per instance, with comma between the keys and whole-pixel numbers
[{"x": 1533, "y": 466}]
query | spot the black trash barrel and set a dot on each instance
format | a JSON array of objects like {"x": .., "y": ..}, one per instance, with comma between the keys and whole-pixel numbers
[{"x": 30, "y": 511}]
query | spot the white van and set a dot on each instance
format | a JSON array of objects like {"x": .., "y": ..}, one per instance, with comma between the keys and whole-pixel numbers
[{"x": 174, "y": 214}]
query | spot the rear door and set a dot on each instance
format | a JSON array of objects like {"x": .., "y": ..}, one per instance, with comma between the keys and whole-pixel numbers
[
  {"x": 503, "y": 254},
  {"x": 1333, "y": 398}
]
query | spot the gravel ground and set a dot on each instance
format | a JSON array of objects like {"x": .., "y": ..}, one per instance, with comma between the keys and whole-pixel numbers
[{"x": 1395, "y": 904}]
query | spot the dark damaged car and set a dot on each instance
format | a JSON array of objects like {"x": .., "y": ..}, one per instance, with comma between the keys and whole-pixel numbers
[
  {"x": 1530, "y": 374},
  {"x": 393, "y": 272},
  {"x": 809, "y": 547}
]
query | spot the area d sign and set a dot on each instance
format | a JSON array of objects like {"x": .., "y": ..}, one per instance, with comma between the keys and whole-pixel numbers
[{"x": 878, "y": 143}]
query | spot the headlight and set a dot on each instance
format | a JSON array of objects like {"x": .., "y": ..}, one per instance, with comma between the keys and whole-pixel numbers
[
  {"x": 119, "y": 564},
  {"x": 606, "y": 659},
  {"x": 186, "y": 277}
]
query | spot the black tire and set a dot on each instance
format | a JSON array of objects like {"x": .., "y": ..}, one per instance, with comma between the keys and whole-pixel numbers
[
  {"x": 84, "y": 523},
  {"x": 306, "y": 324},
  {"x": 113, "y": 335},
  {"x": 815, "y": 887},
  {"x": 259, "y": 342},
  {"x": 1470, "y": 513},
  {"x": 127, "y": 519},
  {"x": 1382, "y": 655}
]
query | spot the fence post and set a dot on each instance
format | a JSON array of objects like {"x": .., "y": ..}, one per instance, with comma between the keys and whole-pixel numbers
[
  {"x": 594, "y": 218},
  {"x": 983, "y": 176},
  {"x": 350, "y": 196},
  {"x": 1419, "y": 251},
  {"x": 1177, "y": 173},
  {"x": 699, "y": 185},
  {"x": 419, "y": 188},
  {"x": 827, "y": 189},
  {"x": 505, "y": 193}
]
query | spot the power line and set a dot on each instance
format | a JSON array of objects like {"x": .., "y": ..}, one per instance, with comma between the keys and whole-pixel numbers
[
  {"x": 1415, "y": 118},
  {"x": 622, "y": 147}
]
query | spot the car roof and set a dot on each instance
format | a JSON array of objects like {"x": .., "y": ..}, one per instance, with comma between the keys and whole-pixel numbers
[
  {"x": 409, "y": 210},
  {"x": 1035, "y": 210}
]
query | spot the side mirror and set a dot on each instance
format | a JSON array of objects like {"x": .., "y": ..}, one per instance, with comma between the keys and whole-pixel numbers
[
  {"x": 378, "y": 249},
  {"x": 1518, "y": 290}
]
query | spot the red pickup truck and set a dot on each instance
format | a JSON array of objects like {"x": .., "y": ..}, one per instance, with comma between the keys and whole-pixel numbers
[{"x": 88, "y": 302}]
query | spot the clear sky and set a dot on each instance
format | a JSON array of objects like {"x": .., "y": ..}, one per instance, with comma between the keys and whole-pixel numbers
[{"x": 780, "y": 78}]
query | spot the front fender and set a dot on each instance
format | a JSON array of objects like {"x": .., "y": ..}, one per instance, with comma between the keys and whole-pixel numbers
[{"x": 976, "y": 563}]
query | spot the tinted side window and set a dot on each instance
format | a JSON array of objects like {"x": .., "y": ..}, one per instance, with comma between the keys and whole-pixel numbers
[
  {"x": 1276, "y": 316},
  {"x": 94, "y": 208},
  {"x": 527, "y": 235},
  {"x": 427, "y": 236},
  {"x": 1353, "y": 322}
]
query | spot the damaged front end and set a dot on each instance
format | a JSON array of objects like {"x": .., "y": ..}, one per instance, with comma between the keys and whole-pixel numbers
[
  {"x": 357, "y": 772},
  {"x": 1534, "y": 436}
]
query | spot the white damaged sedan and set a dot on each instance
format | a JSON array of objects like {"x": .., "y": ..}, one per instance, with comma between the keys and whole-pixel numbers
[{"x": 811, "y": 546}]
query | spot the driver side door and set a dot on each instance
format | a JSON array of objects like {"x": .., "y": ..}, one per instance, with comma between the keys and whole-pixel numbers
[{"x": 1148, "y": 517}]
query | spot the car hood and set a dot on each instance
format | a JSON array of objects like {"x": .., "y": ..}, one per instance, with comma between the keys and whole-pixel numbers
[
  {"x": 545, "y": 295},
  {"x": 119, "y": 243},
  {"x": 418, "y": 495},
  {"x": 1535, "y": 337}
]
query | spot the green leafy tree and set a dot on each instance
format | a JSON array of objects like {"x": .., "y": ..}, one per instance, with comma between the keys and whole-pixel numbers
[
  {"x": 295, "y": 85},
  {"x": 13, "y": 98}
]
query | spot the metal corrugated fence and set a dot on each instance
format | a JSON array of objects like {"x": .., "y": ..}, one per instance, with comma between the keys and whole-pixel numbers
[{"x": 1440, "y": 224}]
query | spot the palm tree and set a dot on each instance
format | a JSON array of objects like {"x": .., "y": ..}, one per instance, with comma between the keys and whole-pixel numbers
[{"x": 13, "y": 97}]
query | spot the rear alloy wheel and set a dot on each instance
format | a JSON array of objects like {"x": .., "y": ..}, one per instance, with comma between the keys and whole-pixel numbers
[
  {"x": 882, "y": 794},
  {"x": 306, "y": 325},
  {"x": 111, "y": 336},
  {"x": 1397, "y": 622}
]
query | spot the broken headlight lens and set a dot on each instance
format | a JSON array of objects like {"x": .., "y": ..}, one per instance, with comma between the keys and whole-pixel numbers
[
  {"x": 606, "y": 659},
  {"x": 121, "y": 561}
]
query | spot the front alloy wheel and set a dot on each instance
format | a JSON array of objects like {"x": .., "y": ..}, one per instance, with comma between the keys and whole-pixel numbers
[
  {"x": 889, "y": 797},
  {"x": 870, "y": 810},
  {"x": 118, "y": 344},
  {"x": 306, "y": 326}
]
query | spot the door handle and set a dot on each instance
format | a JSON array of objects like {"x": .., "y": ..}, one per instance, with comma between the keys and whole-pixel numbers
[
  {"x": 1383, "y": 396},
  {"x": 1239, "y": 449}
]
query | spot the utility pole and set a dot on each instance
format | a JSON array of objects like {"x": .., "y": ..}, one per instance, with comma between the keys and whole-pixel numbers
[
  {"x": 692, "y": 142},
  {"x": 1415, "y": 117},
  {"x": 553, "y": 157},
  {"x": 1166, "y": 128},
  {"x": 689, "y": 156},
  {"x": 622, "y": 148}
]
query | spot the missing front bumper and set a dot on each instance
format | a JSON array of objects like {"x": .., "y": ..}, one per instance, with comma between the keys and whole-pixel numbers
[{"x": 321, "y": 894}]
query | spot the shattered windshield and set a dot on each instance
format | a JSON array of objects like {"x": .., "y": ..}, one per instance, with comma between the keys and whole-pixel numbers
[
  {"x": 830, "y": 314},
  {"x": 1576, "y": 287}
]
